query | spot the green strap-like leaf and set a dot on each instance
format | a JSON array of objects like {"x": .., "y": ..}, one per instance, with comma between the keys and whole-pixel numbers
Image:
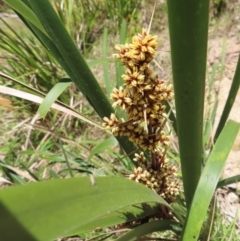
[
  {"x": 188, "y": 29},
  {"x": 107, "y": 80},
  {"x": 208, "y": 181},
  {"x": 52, "y": 96},
  {"x": 22, "y": 9},
  {"x": 230, "y": 100},
  {"x": 228, "y": 181},
  {"x": 61, "y": 207},
  {"x": 119, "y": 66},
  {"x": 154, "y": 226},
  {"x": 139, "y": 211},
  {"x": 103, "y": 145}
]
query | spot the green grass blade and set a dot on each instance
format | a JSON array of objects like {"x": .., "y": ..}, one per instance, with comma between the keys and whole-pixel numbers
[
  {"x": 52, "y": 96},
  {"x": 103, "y": 145},
  {"x": 22, "y": 9},
  {"x": 230, "y": 230},
  {"x": 180, "y": 212},
  {"x": 171, "y": 117},
  {"x": 49, "y": 45},
  {"x": 66, "y": 159},
  {"x": 188, "y": 27},
  {"x": 210, "y": 112},
  {"x": 53, "y": 174},
  {"x": 154, "y": 226},
  {"x": 95, "y": 62},
  {"x": 213, "y": 75},
  {"x": 209, "y": 123},
  {"x": 208, "y": 181},
  {"x": 223, "y": 58},
  {"x": 119, "y": 66},
  {"x": 10, "y": 44},
  {"x": 230, "y": 100},
  {"x": 69, "y": 206},
  {"x": 123, "y": 31},
  {"x": 227, "y": 181},
  {"x": 11, "y": 174},
  {"x": 108, "y": 84}
]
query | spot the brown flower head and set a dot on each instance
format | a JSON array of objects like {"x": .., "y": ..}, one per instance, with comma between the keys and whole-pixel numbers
[{"x": 143, "y": 98}]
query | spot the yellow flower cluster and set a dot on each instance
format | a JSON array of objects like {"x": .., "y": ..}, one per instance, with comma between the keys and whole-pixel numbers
[
  {"x": 143, "y": 97},
  {"x": 163, "y": 181}
]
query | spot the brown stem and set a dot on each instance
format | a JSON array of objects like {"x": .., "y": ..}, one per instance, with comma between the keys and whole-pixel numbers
[
  {"x": 154, "y": 161},
  {"x": 153, "y": 154}
]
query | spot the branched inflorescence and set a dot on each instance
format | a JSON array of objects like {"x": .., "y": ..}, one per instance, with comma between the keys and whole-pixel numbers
[{"x": 142, "y": 97}]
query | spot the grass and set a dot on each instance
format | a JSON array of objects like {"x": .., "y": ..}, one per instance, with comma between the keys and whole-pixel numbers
[
  {"x": 60, "y": 145},
  {"x": 222, "y": 230}
]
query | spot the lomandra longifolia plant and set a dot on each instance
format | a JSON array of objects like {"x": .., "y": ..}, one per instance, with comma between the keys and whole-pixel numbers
[
  {"x": 108, "y": 201},
  {"x": 143, "y": 97}
]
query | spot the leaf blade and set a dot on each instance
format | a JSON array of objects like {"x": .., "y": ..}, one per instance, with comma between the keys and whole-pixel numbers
[
  {"x": 22, "y": 9},
  {"x": 52, "y": 96},
  {"x": 154, "y": 226},
  {"x": 209, "y": 180},
  {"x": 75, "y": 199},
  {"x": 188, "y": 28}
]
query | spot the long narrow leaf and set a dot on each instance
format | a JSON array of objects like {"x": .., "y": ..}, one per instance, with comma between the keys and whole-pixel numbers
[
  {"x": 22, "y": 9},
  {"x": 52, "y": 96},
  {"x": 227, "y": 181},
  {"x": 230, "y": 100},
  {"x": 209, "y": 180},
  {"x": 188, "y": 27},
  {"x": 69, "y": 206},
  {"x": 108, "y": 84},
  {"x": 119, "y": 66},
  {"x": 103, "y": 145},
  {"x": 147, "y": 228}
]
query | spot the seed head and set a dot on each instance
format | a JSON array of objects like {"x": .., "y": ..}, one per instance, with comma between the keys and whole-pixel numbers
[{"x": 143, "y": 99}]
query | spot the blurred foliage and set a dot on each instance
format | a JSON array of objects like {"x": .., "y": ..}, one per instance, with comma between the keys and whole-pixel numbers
[
  {"x": 218, "y": 6},
  {"x": 85, "y": 19},
  {"x": 23, "y": 56}
]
